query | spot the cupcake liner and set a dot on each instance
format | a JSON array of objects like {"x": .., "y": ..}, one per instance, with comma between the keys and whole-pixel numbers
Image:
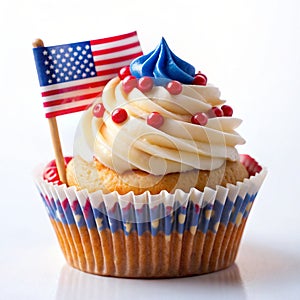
[{"x": 150, "y": 236}]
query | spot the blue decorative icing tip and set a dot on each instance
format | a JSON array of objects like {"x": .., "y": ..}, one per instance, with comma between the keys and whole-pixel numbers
[{"x": 163, "y": 63}]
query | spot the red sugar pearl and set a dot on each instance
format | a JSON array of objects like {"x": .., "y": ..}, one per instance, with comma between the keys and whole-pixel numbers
[
  {"x": 155, "y": 119},
  {"x": 129, "y": 83},
  {"x": 145, "y": 84},
  {"x": 174, "y": 87},
  {"x": 199, "y": 72},
  {"x": 227, "y": 110},
  {"x": 124, "y": 72},
  {"x": 200, "y": 79},
  {"x": 119, "y": 115},
  {"x": 98, "y": 110},
  {"x": 199, "y": 119},
  {"x": 215, "y": 112}
]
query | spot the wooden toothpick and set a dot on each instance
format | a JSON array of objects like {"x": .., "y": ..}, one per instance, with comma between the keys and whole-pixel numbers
[{"x": 60, "y": 161}]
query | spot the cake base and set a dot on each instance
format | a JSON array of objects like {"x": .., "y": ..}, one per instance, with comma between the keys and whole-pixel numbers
[{"x": 94, "y": 176}]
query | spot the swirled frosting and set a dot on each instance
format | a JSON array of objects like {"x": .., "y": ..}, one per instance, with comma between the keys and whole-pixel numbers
[
  {"x": 163, "y": 63},
  {"x": 177, "y": 144}
]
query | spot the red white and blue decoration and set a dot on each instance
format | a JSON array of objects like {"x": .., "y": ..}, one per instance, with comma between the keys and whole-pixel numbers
[{"x": 72, "y": 76}]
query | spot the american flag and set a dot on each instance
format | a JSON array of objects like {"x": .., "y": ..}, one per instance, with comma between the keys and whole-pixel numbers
[{"x": 72, "y": 76}]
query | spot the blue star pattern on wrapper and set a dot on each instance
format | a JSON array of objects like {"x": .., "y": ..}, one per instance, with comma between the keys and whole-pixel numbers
[{"x": 190, "y": 217}]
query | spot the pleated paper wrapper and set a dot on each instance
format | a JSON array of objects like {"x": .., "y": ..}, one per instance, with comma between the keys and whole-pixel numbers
[{"x": 152, "y": 236}]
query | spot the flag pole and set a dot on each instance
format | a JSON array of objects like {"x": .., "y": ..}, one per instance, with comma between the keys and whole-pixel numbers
[{"x": 59, "y": 158}]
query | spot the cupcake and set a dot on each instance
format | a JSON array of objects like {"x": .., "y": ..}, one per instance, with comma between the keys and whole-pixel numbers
[{"x": 156, "y": 187}]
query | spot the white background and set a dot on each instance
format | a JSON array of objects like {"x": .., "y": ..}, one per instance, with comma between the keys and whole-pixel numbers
[{"x": 250, "y": 49}]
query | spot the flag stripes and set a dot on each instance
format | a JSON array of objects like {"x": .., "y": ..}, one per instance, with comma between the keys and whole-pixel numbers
[{"x": 72, "y": 76}]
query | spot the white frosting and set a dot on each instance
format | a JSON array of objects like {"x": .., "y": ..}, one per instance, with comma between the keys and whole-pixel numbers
[{"x": 176, "y": 146}]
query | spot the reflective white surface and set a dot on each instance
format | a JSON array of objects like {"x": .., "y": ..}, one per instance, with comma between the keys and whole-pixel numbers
[
  {"x": 250, "y": 49},
  {"x": 261, "y": 272}
]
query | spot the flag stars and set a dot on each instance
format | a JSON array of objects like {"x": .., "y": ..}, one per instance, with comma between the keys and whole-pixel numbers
[
  {"x": 72, "y": 67},
  {"x": 70, "y": 62}
]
